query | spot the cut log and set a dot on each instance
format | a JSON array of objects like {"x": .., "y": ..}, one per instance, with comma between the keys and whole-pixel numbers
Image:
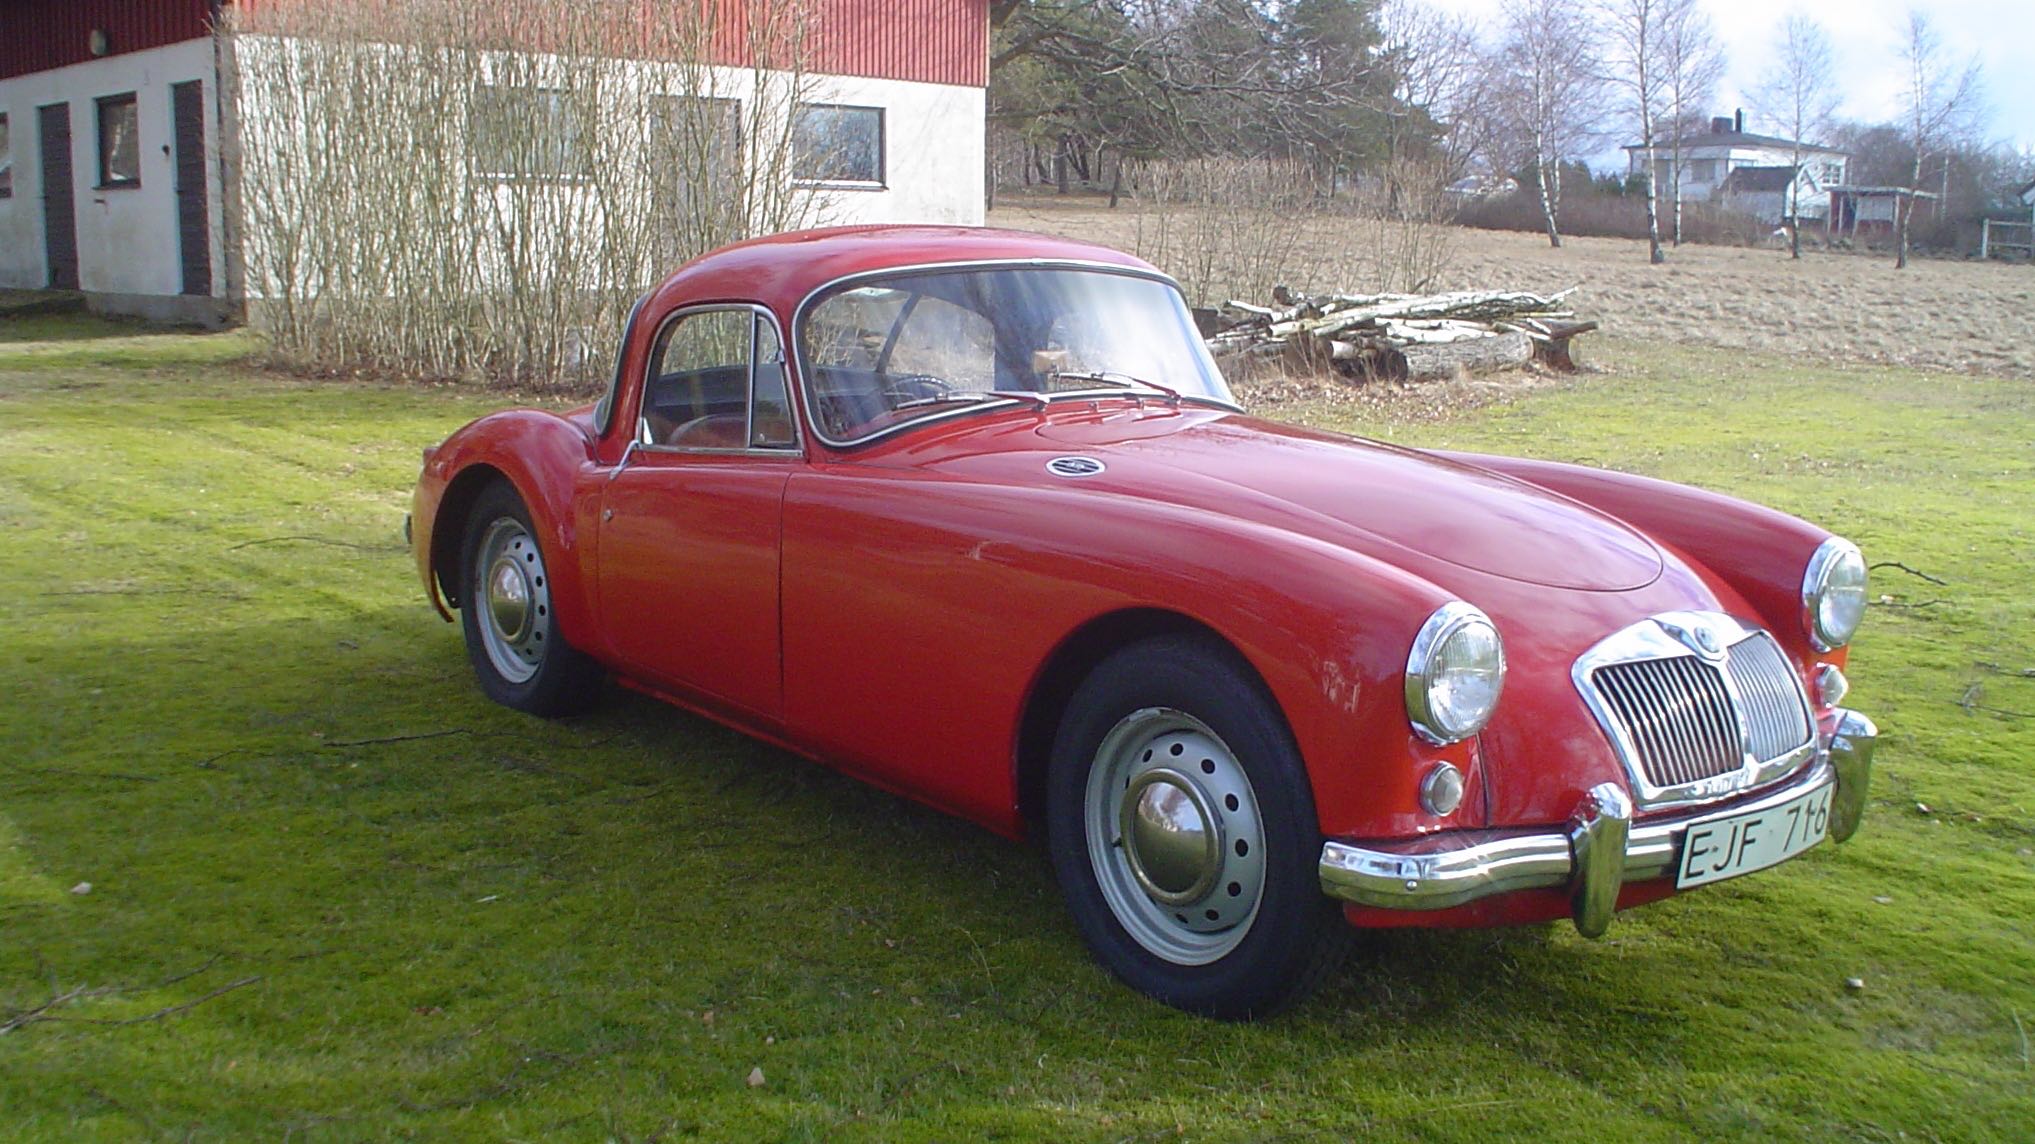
[{"x": 1431, "y": 361}]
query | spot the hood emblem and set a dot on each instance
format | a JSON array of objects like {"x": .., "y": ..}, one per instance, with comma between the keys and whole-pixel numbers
[
  {"x": 1074, "y": 466},
  {"x": 1698, "y": 636}
]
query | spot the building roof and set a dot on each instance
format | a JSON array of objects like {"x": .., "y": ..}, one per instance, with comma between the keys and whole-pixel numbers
[
  {"x": 1737, "y": 139},
  {"x": 2028, "y": 192},
  {"x": 1751, "y": 180}
]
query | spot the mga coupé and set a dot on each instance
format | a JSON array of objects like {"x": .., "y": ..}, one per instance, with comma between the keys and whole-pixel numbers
[{"x": 972, "y": 515}]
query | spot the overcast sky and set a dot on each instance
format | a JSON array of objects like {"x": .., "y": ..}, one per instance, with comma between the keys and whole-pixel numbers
[{"x": 1865, "y": 36}]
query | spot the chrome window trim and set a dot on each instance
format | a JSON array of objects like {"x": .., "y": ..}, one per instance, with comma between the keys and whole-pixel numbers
[
  {"x": 604, "y": 409},
  {"x": 650, "y": 363},
  {"x": 800, "y": 314},
  {"x": 1656, "y": 638}
]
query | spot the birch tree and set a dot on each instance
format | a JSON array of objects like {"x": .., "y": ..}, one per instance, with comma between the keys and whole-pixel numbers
[
  {"x": 1692, "y": 61},
  {"x": 1939, "y": 101},
  {"x": 1551, "y": 100},
  {"x": 1798, "y": 91},
  {"x": 1633, "y": 59}
]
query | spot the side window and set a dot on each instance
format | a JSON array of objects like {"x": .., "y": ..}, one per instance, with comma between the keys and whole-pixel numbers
[{"x": 717, "y": 382}]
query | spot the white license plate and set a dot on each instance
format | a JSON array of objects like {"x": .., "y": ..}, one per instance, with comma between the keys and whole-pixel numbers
[{"x": 1734, "y": 844}]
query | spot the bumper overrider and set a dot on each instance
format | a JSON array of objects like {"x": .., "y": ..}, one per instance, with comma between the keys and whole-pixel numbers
[{"x": 1594, "y": 855}]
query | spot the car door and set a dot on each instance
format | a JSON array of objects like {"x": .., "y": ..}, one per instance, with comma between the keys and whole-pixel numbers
[{"x": 692, "y": 521}]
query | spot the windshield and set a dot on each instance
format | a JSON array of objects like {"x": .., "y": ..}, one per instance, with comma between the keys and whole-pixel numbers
[{"x": 879, "y": 355}]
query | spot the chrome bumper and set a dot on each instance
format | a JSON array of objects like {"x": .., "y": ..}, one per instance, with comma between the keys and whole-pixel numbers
[{"x": 1593, "y": 856}]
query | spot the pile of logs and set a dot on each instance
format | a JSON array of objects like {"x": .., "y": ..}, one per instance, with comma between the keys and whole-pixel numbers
[{"x": 1412, "y": 337}]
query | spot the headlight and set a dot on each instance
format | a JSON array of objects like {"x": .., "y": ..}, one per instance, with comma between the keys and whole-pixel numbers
[
  {"x": 1454, "y": 674},
  {"x": 1833, "y": 594}
]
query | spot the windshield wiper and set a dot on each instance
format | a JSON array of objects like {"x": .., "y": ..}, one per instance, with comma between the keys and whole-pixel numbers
[
  {"x": 973, "y": 395},
  {"x": 1127, "y": 381}
]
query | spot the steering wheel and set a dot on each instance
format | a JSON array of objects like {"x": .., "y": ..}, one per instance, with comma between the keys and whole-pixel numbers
[{"x": 914, "y": 387}]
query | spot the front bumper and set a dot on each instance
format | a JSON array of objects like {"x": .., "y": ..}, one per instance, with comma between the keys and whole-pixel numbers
[{"x": 1593, "y": 856}]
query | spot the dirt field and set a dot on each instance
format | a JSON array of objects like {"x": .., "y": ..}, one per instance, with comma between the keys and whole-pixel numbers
[{"x": 1956, "y": 316}]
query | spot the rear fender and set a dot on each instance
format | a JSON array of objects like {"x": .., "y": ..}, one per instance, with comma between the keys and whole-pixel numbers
[{"x": 541, "y": 455}]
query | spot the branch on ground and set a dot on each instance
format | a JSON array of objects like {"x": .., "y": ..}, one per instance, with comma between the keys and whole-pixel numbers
[{"x": 1916, "y": 572}]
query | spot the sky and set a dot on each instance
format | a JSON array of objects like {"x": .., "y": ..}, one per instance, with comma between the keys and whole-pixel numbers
[{"x": 1865, "y": 37}]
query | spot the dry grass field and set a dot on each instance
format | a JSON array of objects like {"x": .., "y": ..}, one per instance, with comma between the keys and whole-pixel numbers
[{"x": 1963, "y": 317}]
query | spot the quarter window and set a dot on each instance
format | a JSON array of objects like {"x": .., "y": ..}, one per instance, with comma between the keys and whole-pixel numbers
[
  {"x": 119, "y": 142},
  {"x": 838, "y": 144},
  {"x": 717, "y": 382}
]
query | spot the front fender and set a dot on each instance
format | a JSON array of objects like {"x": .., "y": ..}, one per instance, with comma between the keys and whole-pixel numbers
[
  {"x": 1761, "y": 553},
  {"x": 543, "y": 456}
]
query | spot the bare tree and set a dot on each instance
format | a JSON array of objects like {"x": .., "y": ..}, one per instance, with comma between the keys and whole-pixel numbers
[
  {"x": 1439, "y": 75},
  {"x": 1633, "y": 67},
  {"x": 1799, "y": 91},
  {"x": 1692, "y": 61},
  {"x": 1939, "y": 103},
  {"x": 1551, "y": 101}
]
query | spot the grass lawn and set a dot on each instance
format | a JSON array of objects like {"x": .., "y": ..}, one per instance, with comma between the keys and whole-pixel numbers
[{"x": 334, "y": 894}]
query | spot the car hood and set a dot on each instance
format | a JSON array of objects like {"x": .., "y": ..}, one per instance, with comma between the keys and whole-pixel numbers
[{"x": 1394, "y": 503}]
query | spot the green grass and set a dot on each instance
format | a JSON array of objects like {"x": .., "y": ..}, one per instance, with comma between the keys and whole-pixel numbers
[{"x": 433, "y": 918}]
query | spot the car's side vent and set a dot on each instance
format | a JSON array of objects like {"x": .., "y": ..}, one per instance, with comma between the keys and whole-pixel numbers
[{"x": 1074, "y": 466}]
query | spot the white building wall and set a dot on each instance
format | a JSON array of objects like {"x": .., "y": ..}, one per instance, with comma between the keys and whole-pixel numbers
[
  {"x": 127, "y": 236},
  {"x": 934, "y": 161}
]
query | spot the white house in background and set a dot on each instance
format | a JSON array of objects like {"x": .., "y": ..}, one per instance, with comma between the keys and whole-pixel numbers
[
  {"x": 1708, "y": 161},
  {"x": 117, "y": 169},
  {"x": 1771, "y": 194}
]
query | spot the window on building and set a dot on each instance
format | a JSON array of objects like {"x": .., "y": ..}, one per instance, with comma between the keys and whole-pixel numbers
[
  {"x": 6, "y": 161},
  {"x": 697, "y": 151},
  {"x": 1703, "y": 170},
  {"x": 119, "y": 142},
  {"x": 838, "y": 144},
  {"x": 525, "y": 133}
]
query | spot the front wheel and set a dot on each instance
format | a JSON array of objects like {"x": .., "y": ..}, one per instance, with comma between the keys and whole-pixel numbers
[
  {"x": 506, "y": 614},
  {"x": 1184, "y": 836}
]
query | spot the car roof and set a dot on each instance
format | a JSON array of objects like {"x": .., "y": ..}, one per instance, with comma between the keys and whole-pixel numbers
[{"x": 781, "y": 269}]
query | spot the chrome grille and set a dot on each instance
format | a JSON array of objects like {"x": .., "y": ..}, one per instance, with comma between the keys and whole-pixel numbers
[
  {"x": 1771, "y": 696},
  {"x": 1697, "y": 705},
  {"x": 1678, "y": 716}
]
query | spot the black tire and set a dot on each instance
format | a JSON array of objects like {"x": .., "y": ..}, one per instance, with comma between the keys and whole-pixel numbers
[
  {"x": 532, "y": 669},
  {"x": 1177, "y": 698}
]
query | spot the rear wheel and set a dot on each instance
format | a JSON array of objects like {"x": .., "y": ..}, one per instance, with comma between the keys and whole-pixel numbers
[
  {"x": 506, "y": 613},
  {"x": 1183, "y": 833}
]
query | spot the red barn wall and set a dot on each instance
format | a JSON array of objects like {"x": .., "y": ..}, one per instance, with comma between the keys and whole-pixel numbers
[
  {"x": 37, "y": 35},
  {"x": 930, "y": 41}
]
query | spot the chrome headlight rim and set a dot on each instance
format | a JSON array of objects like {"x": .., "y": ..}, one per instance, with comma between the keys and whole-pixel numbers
[
  {"x": 1829, "y": 556},
  {"x": 1446, "y": 623}
]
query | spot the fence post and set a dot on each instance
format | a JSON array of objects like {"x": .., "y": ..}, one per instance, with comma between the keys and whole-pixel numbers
[{"x": 1985, "y": 239}]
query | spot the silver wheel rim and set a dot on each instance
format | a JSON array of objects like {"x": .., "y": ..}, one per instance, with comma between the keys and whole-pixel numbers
[
  {"x": 513, "y": 598},
  {"x": 1175, "y": 836}
]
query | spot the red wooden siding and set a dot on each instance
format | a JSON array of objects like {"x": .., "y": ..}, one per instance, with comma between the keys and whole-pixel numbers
[
  {"x": 36, "y": 35},
  {"x": 931, "y": 41}
]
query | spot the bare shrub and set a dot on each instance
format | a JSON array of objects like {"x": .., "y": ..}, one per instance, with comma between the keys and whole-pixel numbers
[
  {"x": 1229, "y": 227},
  {"x": 480, "y": 188},
  {"x": 1223, "y": 226},
  {"x": 1612, "y": 216}
]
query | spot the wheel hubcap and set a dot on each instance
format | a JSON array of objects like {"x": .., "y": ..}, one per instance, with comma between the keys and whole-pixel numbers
[
  {"x": 509, "y": 600},
  {"x": 514, "y": 599},
  {"x": 1174, "y": 836},
  {"x": 1170, "y": 837}
]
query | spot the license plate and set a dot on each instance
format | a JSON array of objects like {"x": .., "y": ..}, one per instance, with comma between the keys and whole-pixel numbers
[{"x": 1734, "y": 844}]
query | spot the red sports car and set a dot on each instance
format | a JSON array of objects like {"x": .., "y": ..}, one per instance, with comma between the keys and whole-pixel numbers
[{"x": 972, "y": 515}]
